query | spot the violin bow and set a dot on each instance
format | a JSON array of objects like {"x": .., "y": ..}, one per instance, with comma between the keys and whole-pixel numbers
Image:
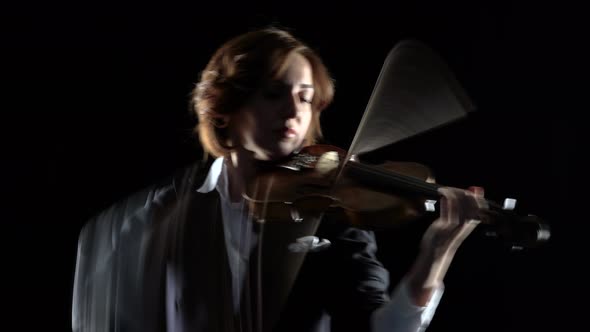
[{"x": 415, "y": 93}]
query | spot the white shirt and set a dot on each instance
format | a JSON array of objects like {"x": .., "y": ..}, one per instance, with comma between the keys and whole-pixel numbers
[{"x": 399, "y": 314}]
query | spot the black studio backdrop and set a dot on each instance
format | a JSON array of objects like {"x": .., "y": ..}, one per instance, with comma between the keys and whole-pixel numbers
[{"x": 96, "y": 107}]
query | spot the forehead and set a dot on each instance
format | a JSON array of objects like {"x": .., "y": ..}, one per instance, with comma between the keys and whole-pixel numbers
[{"x": 296, "y": 70}]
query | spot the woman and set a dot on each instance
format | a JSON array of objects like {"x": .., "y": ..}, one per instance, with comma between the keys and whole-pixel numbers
[{"x": 258, "y": 101}]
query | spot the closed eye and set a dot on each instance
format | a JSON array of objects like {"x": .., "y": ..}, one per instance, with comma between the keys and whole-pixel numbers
[{"x": 306, "y": 95}]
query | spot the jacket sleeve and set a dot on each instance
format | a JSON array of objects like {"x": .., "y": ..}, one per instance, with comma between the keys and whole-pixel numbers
[
  {"x": 109, "y": 262},
  {"x": 358, "y": 297},
  {"x": 401, "y": 315},
  {"x": 355, "y": 280}
]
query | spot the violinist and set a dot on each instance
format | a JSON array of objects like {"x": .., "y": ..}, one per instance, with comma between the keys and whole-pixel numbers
[{"x": 177, "y": 256}]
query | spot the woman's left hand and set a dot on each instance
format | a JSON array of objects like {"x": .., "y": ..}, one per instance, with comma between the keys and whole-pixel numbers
[{"x": 458, "y": 218}]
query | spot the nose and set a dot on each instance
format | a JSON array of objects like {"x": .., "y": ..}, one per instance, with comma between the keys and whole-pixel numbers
[{"x": 290, "y": 106}]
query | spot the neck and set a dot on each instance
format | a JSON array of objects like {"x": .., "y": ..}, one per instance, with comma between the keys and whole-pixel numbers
[{"x": 240, "y": 165}]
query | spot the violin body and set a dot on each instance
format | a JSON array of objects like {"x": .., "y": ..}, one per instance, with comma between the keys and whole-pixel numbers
[
  {"x": 323, "y": 179},
  {"x": 317, "y": 181}
]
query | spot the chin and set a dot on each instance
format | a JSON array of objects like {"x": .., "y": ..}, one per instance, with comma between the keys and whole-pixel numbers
[
  {"x": 276, "y": 151},
  {"x": 282, "y": 150},
  {"x": 287, "y": 148}
]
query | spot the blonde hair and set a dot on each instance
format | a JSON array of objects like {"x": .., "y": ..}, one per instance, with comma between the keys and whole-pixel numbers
[{"x": 238, "y": 69}]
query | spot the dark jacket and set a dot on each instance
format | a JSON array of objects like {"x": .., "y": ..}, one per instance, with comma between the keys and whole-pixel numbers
[{"x": 157, "y": 261}]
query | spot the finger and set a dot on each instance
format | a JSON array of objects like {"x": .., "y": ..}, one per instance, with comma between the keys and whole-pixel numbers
[
  {"x": 462, "y": 205},
  {"x": 449, "y": 208},
  {"x": 444, "y": 204},
  {"x": 478, "y": 194},
  {"x": 478, "y": 191}
]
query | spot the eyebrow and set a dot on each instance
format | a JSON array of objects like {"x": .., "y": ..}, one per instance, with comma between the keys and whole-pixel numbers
[{"x": 281, "y": 85}]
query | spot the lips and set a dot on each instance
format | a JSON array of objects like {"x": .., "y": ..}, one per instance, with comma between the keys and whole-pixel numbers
[{"x": 286, "y": 132}]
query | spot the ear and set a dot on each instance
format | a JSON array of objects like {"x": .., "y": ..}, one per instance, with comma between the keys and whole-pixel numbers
[
  {"x": 221, "y": 121},
  {"x": 231, "y": 131}
]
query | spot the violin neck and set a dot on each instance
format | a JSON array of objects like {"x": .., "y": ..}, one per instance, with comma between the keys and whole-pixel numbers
[
  {"x": 519, "y": 231},
  {"x": 387, "y": 181}
]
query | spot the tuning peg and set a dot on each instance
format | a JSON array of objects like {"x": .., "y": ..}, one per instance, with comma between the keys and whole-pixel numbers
[
  {"x": 543, "y": 231},
  {"x": 429, "y": 205},
  {"x": 509, "y": 204}
]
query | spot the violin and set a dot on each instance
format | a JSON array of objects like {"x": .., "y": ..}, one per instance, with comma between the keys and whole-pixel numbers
[{"x": 321, "y": 179}]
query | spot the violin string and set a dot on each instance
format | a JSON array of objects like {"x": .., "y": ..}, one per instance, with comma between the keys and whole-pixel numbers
[
  {"x": 258, "y": 263},
  {"x": 425, "y": 187},
  {"x": 241, "y": 245},
  {"x": 246, "y": 248},
  {"x": 408, "y": 181},
  {"x": 237, "y": 276},
  {"x": 259, "y": 279}
]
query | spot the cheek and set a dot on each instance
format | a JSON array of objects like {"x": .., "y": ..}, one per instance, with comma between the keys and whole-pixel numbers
[
  {"x": 255, "y": 128},
  {"x": 306, "y": 122},
  {"x": 244, "y": 126},
  {"x": 261, "y": 115}
]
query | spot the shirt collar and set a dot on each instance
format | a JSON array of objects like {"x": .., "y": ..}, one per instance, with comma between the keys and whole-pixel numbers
[{"x": 210, "y": 182}]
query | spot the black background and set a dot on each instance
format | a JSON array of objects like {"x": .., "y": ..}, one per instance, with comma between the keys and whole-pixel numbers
[{"x": 95, "y": 106}]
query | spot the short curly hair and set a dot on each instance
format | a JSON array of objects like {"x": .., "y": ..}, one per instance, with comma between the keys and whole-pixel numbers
[{"x": 238, "y": 69}]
